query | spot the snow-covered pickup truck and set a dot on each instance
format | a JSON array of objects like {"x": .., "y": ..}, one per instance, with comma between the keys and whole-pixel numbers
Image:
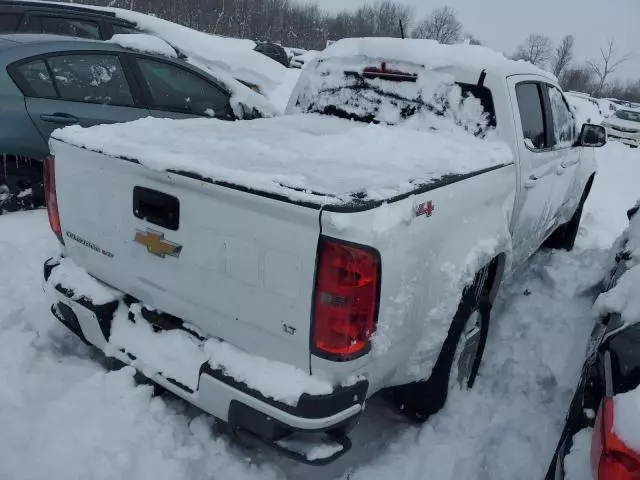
[{"x": 278, "y": 272}]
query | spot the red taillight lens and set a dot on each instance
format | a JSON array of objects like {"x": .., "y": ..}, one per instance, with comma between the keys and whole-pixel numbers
[
  {"x": 345, "y": 299},
  {"x": 611, "y": 459},
  {"x": 50, "y": 197}
]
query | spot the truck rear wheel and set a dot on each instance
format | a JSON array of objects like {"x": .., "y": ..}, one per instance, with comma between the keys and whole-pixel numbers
[{"x": 460, "y": 355}]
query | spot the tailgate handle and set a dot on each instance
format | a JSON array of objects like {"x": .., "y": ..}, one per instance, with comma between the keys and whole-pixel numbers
[{"x": 156, "y": 207}]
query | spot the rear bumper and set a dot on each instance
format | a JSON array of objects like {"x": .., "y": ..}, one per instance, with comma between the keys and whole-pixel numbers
[{"x": 245, "y": 409}]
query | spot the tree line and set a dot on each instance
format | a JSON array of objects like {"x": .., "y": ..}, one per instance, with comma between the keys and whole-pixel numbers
[{"x": 295, "y": 24}]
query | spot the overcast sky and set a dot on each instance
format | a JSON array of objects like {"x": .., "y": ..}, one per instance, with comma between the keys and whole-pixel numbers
[{"x": 502, "y": 24}]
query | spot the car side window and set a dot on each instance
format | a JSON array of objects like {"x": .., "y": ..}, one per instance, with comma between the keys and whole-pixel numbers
[
  {"x": 37, "y": 79},
  {"x": 178, "y": 90},
  {"x": 9, "y": 22},
  {"x": 70, "y": 27},
  {"x": 121, "y": 29},
  {"x": 564, "y": 128},
  {"x": 531, "y": 115},
  {"x": 92, "y": 78}
]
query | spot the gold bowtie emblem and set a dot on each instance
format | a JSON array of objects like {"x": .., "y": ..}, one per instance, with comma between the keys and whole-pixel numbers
[{"x": 156, "y": 243}]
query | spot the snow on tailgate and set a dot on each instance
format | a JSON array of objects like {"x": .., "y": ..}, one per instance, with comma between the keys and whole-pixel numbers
[{"x": 309, "y": 158}]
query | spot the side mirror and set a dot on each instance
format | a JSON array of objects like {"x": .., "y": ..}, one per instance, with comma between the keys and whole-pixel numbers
[{"x": 592, "y": 136}]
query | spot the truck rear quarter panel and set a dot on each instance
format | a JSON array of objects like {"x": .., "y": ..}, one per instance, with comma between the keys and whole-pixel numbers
[{"x": 427, "y": 259}]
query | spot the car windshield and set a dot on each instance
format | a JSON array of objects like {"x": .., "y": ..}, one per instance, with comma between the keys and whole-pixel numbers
[{"x": 628, "y": 115}]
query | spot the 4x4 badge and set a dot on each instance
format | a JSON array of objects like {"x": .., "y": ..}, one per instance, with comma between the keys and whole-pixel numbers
[
  {"x": 426, "y": 209},
  {"x": 156, "y": 244}
]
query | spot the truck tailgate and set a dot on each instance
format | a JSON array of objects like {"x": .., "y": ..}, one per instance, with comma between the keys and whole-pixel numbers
[{"x": 238, "y": 266}]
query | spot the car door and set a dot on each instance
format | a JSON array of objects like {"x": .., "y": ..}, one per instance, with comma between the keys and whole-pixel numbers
[
  {"x": 86, "y": 88},
  {"x": 172, "y": 91},
  {"x": 536, "y": 212},
  {"x": 568, "y": 185}
]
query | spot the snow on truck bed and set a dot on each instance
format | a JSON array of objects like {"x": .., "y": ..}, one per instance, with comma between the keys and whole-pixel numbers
[{"x": 307, "y": 158}]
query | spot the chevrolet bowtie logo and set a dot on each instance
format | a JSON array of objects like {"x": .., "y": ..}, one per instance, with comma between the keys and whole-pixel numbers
[{"x": 156, "y": 244}]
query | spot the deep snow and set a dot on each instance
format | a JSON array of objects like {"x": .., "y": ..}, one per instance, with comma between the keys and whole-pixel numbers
[{"x": 64, "y": 416}]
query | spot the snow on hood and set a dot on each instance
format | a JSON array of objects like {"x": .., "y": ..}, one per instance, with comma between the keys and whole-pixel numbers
[
  {"x": 141, "y": 42},
  {"x": 584, "y": 111},
  {"x": 236, "y": 56},
  {"x": 623, "y": 298},
  {"x": 309, "y": 158}
]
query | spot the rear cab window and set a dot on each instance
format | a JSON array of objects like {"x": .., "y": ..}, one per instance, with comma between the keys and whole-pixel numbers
[{"x": 390, "y": 93}]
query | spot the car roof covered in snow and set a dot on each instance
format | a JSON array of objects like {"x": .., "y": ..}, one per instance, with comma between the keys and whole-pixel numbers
[{"x": 432, "y": 55}]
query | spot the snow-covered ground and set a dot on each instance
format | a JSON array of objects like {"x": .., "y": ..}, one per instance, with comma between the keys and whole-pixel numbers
[{"x": 63, "y": 416}]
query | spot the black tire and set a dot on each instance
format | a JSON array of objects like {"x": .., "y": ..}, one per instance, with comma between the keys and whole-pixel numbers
[{"x": 420, "y": 400}]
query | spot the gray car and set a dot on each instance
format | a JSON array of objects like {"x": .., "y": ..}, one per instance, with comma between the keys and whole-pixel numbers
[{"x": 48, "y": 82}]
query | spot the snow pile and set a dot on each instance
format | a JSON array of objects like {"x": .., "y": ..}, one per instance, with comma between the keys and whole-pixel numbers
[
  {"x": 273, "y": 379},
  {"x": 429, "y": 54},
  {"x": 584, "y": 110},
  {"x": 233, "y": 55},
  {"x": 84, "y": 286},
  {"x": 309, "y": 158},
  {"x": 173, "y": 353},
  {"x": 178, "y": 355},
  {"x": 623, "y": 298},
  {"x": 625, "y": 418},
  {"x": 144, "y": 43},
  {"x": 577, "y": 464}
]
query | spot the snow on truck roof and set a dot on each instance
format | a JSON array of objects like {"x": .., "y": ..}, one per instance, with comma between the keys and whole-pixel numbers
[
  {"x": 312, "y": 159},
  {"x": 430, "y": 54}
]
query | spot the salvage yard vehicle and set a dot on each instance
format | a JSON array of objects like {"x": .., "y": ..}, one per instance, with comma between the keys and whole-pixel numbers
[
  {"x": 49, "y": 81},
  {"x": 278, "y": 284},
  {"x": 61, "y": 19},
  {"x": 610, "y": 380},
  {"x": 624, "y": 126}
]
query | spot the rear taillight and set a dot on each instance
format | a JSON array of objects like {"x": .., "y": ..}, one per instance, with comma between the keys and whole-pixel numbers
[
  {"x": 611, "y": 459},
  {"x": 345, "y": 299},
  {"x": 50, "y": 197}
]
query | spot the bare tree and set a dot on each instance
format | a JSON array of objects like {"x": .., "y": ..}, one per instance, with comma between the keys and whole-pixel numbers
[
  {"x": 537, "y": 49},
  {"x": 441, "y": 25},
  {"x": 579, "y": 79},
  {"x": 604, "y": 67},
  {"x": 563, "y": 56}
]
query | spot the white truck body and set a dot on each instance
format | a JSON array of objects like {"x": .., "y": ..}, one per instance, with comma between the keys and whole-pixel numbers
[{"x": 246, "y": 269}]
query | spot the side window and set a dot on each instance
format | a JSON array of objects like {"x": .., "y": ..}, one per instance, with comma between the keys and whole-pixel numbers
[
  {"x": 120, "y": 29},
  {"x": 9, "y": 22},
  {"x": 531, "y": 115},
  {"x": 175, "y": 89},
  {"x": 91, "y": 78},
  {"x": 564, "y": 128},
  {"x": 36, "y": 79},
  {"x": 70, "y": 27}
]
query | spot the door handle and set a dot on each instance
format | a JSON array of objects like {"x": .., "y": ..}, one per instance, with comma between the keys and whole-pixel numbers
[
  {"x": 569, "y": 163},
  {"x": 560, "y": 170},
  {"x": 59, "y": 118},
  {"x": 531, "y": 182}
]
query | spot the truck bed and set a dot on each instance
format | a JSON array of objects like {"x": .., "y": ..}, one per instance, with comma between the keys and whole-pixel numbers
[{"x": 311, "y": 159}]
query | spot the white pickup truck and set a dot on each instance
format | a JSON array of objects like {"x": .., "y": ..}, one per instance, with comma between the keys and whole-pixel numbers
[{"x": 278, "y": 272}]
